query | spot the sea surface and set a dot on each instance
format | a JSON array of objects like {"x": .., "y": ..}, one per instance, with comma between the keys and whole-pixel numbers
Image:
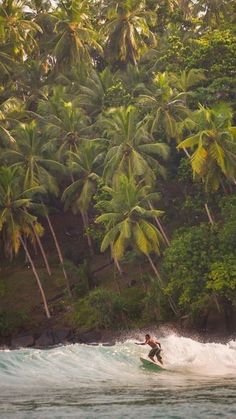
[{"x": 83, "y": 381}]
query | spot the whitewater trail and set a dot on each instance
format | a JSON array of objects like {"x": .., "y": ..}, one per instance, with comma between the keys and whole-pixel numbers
[{"x": 87, "y": 365}]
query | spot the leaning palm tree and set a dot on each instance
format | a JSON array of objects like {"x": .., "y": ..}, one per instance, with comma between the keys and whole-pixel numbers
[
  {"x": 131, "y": 148},
  {"x": 85, "y": 165},
  {"x": 16, "y": 220},
  {"x": 127, "y": 31},
  {"x": 128, "y": 223},
  {"x": 213, "y": 145},
  {"x": 37, "y": 168}
]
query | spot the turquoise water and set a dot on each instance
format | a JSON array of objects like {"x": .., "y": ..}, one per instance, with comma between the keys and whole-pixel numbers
[{"x": 80, "y": 381}]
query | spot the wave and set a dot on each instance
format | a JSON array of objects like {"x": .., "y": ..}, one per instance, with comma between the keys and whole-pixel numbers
[{"x": 84, "y": 365}]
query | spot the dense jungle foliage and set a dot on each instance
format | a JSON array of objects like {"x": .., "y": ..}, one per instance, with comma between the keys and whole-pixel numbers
[{"x": 122, "y": 113}]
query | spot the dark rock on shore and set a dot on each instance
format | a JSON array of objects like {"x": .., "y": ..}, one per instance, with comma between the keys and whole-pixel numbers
[
  {"x": 89, "y": 337},
  {"x": 52, "y": 337},
  {"x": 23, "y": 341}
]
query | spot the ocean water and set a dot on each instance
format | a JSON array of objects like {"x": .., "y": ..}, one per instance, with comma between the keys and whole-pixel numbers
[{"x": 83, "y": 381}]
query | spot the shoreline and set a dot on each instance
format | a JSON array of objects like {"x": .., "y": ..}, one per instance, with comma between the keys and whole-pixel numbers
[{"x": 50, "y": 337}]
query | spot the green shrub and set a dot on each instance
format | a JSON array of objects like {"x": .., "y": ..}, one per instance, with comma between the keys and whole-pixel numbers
[
  {"x": 11, "y": 321},
  {"x": 101, "y": 308}
]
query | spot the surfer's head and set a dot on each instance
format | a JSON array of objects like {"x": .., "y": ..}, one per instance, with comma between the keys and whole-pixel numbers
[{"x": 147, "y": 336}]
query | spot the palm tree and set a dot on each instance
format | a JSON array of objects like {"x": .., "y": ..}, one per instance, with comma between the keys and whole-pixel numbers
[
  {"x": 75, "y": 36},
  {"x": 65, "y": 125},
  {"x": 18, "y": 28},
  {"x": 212, "y": 11},
  {"x": 7, "y": 64},
  {"x": 127, "y": 31},
  {"x": 167, "y": 106},
  {"x": 16, "y": 220},
  {"x": 212, "y": 141},
  {"x": 186, "y": 7},
  {"x": 132, "y": 149},
  {"x": 128, "y": 222},
  {"x": 92, "y": 94},
  {"x": 10, "y": 111},
  {"x": 85, "y": 165},
  {"x": 29, "y": 155},
  {"x": 186, "y": 79}
]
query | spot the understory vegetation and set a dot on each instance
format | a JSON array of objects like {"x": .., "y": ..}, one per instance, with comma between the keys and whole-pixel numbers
[{"x": 120, "y": 116}]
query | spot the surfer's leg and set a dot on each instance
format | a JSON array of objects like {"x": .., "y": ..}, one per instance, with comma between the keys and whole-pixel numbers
[
  {"x": 151, "y": 355},
  {"x": 158, "y": 355},
  {"x": 159, "y": 358}
]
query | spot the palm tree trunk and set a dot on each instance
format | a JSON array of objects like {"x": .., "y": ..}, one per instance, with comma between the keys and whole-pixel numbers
[
  {"x": 58, "y": 252},
  {"x": 209, "y": 214},
  {"x": 37, "y": 278},
  {"x": 160, "y": 226},
  {"x": 116, "y": 280},
  {"x": 42, "y": 250},
  {"x": 86, "y": 224},
  {"x": 171, "y": 302},
  {"x": 118, "y": 266},
  {"x": 187, "y": 153},
  {"x": 206, "y": 205}
]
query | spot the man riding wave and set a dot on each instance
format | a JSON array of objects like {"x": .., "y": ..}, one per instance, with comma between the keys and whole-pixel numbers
[{"x": 156, "y": 348}]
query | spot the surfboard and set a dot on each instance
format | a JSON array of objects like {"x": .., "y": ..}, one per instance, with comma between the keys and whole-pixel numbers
[{"x": 151, "y": 365}]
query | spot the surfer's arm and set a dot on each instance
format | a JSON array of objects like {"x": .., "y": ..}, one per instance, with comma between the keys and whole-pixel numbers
[
  {"x": 140, "y": 343},
  {"x": 158, "y": 343}
]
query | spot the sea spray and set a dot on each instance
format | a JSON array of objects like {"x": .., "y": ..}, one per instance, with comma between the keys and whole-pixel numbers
[
  {"x": 85, "y": 364},
  {"x": 83, "y": 381}
]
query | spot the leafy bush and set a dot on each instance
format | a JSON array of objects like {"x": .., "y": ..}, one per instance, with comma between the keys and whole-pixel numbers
[
  {"x": 101, "y": 308},
  {"x": 186, "y": 265},
  {"x": 222, "y": 278},
  {"x": 11, "y": 321},
  {"x": 200, "y": 264}
]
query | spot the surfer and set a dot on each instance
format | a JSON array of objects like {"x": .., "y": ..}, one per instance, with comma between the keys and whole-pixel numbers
[{"x": 156, "y": 348}]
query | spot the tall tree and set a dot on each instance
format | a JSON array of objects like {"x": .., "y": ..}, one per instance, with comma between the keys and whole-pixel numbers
[
  {"x": 132, "y": 149},
  {"x": 64, "y": 124},
  {"x": 16, "y": 219},
  {"x": 166, "y": 105},
  {"x": 18, "y": 28},
  {"x": 29, "y": 155},
  {"x": 10, "y": 111},
  {"x": 213, "y": 141},
  {"x": 128, "y": 223},
  {"x": 85, "y": 165},
  {"x": 213, "y": 145},
  {"x": 213, "y": 11},
  {"x": 127, "y": 31},
  {"x": 75, "y": 37}
]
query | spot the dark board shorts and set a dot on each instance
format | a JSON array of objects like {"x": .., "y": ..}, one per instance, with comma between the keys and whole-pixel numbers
[{"x": 154, "y": 352}]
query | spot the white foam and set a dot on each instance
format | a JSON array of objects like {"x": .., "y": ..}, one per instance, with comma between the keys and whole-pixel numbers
[{"x": 84, "y": 365}]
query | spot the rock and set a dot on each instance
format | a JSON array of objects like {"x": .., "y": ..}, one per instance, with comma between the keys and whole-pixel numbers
[
  {"x": 52, "y": 337},
  {"x": 23, "y": 341},
  {"x": 45, "y": 339},
  {"x": 89, "y": 337},
  {"x": 61, "y": 335}
]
